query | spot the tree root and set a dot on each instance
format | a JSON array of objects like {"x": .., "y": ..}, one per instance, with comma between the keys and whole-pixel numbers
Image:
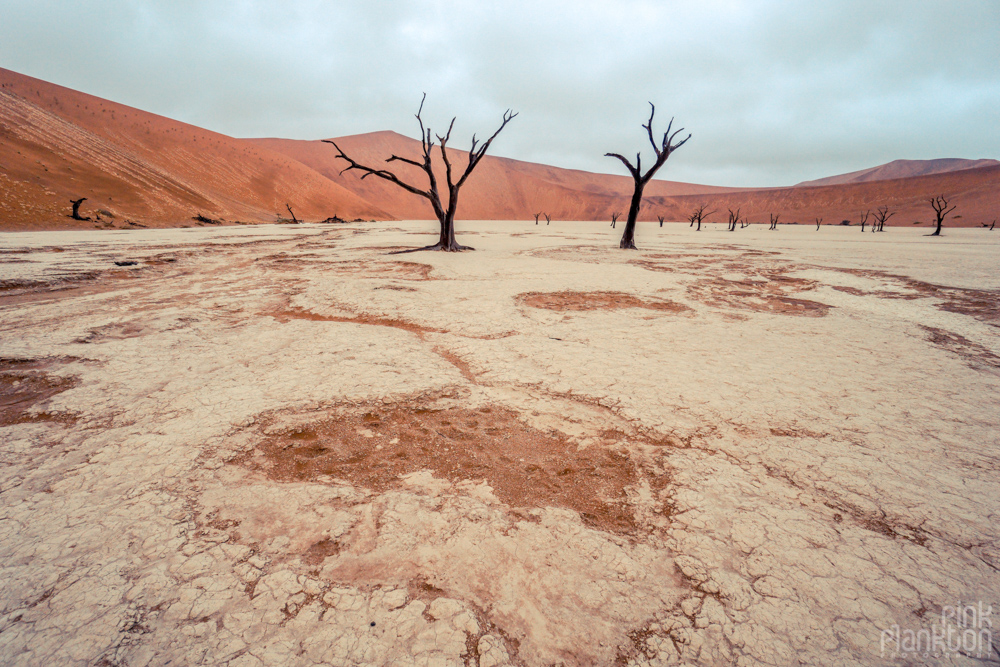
[{"x": 436, "y": 246}]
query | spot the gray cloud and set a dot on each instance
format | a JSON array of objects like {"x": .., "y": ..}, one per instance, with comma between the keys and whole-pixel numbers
[{"x": 773, "y": 92}]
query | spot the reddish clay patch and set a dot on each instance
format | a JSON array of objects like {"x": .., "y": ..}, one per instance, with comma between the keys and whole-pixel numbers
[
  {"x": 767, "y": 295},
  {"x": 984, "y": 305},
  {"x": 372, "y": 269},
  {"x": 299, "y": 314},
  {"x": 22, "y": 385},
  {"x": 579, "y": 301},
  {"x": 526, "y": 468},
  {"x": 974, "y": 354}
]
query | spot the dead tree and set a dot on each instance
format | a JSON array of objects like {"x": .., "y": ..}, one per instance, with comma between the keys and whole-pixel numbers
[
  {"x": 818, "y": 221},
  {"x": 940, "y": 206},
  {"x": 614, "y": 219},
  {"x": 547, "y": 219},
  {"x": 76, "y": 208},
  {"x": 662, "y": 151},
  {"x": 733, "y": 219},
  {"x": 294, "y": 219},
  {"x": 536, "y": 217},
  {"x": 660, "y": 218},
  {"x": 881, "y": 215},
  {"x": 698, "y": 215},
  {"x": 864, "y": 219},
  {"x": 774, "y": 222},
  {"x": 445, "y": 214}
]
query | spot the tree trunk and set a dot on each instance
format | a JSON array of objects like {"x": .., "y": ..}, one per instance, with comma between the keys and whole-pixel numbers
[
  {"x": 937, "y": 232},
  {"x": 76, "y": 209},
  {"x": 447, "y": 241},
  {"x": 446, "y": 217},
  {"x": 628, "y": 237}
]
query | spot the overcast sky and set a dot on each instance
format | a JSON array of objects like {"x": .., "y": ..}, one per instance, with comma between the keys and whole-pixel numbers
[{"x": 773, "y": 92}]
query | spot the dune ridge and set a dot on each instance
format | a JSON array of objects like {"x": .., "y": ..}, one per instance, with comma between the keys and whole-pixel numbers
[{"x": 138, "y": 168}]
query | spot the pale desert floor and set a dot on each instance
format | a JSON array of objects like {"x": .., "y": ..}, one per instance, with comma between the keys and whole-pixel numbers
[{"x": 282, "y": 446}]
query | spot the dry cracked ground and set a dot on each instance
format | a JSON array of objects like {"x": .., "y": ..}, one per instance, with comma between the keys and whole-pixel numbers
[{"x": 286, "y": 446}]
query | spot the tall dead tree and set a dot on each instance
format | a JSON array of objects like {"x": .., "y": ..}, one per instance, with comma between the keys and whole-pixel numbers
[
  {"x": 698, "y": 215},
  {"x": 733, "y": 219},
  {"x": 614, "y": 219},
  {"x": 941, "y": 210},
  {"x": 76, "y": 208},
  {"x": 864, "y": 219},
  {"x": 445, "y": 213},
  {"x": 536, "y": 217},
  {"x": 881, "y": 215},
  {"x": 547, "y": 219},
  {"x": 294, "y": 219},
  {"x": 662, "y": 151}
]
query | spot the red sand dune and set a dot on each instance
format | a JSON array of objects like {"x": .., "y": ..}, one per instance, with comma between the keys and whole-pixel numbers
[
  {"x": 903, "y": 169},
  {"x": 975, "y": 192},
  {"x": 507, "y": 189},
  {"x": 499, "y": 189},
  {"x": 57, "y": 144}
]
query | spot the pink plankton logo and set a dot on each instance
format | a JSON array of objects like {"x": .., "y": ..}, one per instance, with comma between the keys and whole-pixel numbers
[{"x": 965, "y": 629}]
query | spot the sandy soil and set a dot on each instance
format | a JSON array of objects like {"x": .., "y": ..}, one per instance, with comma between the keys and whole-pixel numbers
[{"x": 282, "y": 446}]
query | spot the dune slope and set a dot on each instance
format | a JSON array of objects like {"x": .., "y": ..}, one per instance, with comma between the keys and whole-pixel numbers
[{"x": 57, "y": 144}]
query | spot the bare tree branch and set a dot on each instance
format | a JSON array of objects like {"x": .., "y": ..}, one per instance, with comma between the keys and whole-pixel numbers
[
  {"x": 628, "y": 165},
  {"x": 445, "y": 215}
]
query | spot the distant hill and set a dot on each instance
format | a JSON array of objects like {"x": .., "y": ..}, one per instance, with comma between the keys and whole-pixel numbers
[
  {"x": 500, "y": 188},
  {"x": 975, "y": 192},
  {"x": 902, "y": 169},
  {"x": 57, "y": 144}
]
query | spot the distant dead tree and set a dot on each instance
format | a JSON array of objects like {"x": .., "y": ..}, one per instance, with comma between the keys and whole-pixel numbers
[
  {"x": 774, "y": 222},
  {"x": 660, "y": 218},
  {"x": 445, "y": 214},
  {"x": 733, "y": 219},
  {"x": 76, "y": 208},
  {"x": 698, "y": 215},
  {"x": 294, "y": 219},
  {"x": 536, "y": 217},
  {"x": 745, "y": 222},
  {"x": 663, "y": 151},
  {"x": 614, "y": 219},
  {"x": 864, "y": 219},
  {"x": 547, "y": 219},
  {"x": 881, "y": 215},
  {"x": 818, "y": 221},
  {"x": 940, "y": 206}
]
